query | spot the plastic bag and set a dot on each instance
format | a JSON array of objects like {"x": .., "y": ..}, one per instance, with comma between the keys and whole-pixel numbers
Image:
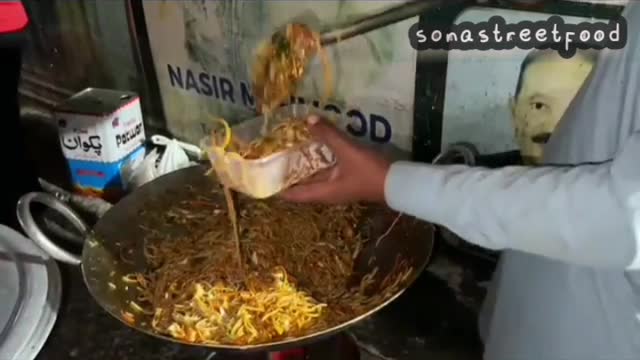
[
  {"x": 173, "y": 158},
  {"x": 145, "y": 171},
  {"x": 154, "y": 164},
  {"x": 191, "y": 150}
]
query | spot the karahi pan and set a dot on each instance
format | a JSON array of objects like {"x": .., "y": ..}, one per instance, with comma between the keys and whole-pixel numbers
[{"x": 120, "y": 230}]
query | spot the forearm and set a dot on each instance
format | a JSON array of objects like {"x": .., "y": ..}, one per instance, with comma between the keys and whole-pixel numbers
[{"x": 576, "y": 214}]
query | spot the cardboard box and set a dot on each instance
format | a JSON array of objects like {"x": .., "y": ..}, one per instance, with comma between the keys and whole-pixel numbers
[{"x": 101, "y": 132}]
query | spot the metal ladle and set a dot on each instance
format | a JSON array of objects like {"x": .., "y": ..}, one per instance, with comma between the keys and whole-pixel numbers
[{"x": 370, "y": 22}]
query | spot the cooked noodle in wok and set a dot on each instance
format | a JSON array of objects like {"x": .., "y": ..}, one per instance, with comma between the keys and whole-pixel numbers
[
  {"x": 250, "y": 272},
  {"x": 297, "y": 260}
]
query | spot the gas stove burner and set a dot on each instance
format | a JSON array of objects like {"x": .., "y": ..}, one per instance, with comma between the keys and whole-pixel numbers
[
  {"x": 339, "y": 347},
  {"x": 295, "y": 354}
]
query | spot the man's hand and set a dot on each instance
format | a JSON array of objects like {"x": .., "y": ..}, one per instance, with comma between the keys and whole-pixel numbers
[{"x": 359, "y": 174}]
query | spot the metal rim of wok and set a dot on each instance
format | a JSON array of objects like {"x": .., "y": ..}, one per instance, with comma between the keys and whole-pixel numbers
[{"x": 101, "y": 263}]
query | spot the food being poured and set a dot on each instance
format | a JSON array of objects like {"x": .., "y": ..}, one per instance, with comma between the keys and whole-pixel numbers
[
  {"x": 281, "y": 64},
  {"x": 287, "y": 134},
  {"x": 296, "y": 279},
  {"x": 263, "y": 165},
  {"x": 259, "y": 271}
]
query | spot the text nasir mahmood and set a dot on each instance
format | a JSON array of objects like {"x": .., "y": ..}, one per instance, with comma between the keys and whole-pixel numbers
[{"x": 496, "y": 34}]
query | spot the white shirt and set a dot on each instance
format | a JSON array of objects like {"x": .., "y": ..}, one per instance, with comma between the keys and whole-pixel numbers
[{"x": 568, "y": 284}]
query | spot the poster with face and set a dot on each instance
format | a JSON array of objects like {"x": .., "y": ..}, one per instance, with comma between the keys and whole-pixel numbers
[
  {"x": 510, "y": 99},
  {"x": 203, "y": 51},
  {"x": 546, "y": 85}
]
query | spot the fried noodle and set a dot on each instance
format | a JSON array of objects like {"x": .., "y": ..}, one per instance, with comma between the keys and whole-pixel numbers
[
  {"x": 298, "y": 260},
  {"x": 287, "y": 134},
  {"x": 281, "y": 63},
  {"x": 273, "y": 270}
]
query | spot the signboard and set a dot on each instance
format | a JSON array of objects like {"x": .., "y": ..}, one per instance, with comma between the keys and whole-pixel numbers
[
  {"x": 481, "y": 86},
  {"x": 203, "y": 51}
]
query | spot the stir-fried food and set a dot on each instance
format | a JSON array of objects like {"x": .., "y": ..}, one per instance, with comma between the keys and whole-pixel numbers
[
  {"x": 287, "y": 134},
  {"x": 279, "y": 67},
  {"x": 252, "y": 271},
  {"x": 220, "y": 311},
  {"x": 281, "y": 64},
  {"x": 296, "y": 279}
]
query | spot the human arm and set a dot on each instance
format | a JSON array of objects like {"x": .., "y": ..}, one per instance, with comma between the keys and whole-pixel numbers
[{"x": 588, "y": 214}]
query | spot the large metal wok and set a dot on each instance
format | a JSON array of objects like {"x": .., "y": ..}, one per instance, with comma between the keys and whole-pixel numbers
[{"x": 119, "y": 230}]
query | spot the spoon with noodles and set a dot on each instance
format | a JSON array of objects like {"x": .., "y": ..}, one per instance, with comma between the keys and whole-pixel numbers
[
  {"x": 280, "y": 65},
  {"x": 281, "y": 61}
]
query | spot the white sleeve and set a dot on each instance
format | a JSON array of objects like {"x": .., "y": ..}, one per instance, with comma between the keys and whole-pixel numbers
[{"x": 587, "y": 214}]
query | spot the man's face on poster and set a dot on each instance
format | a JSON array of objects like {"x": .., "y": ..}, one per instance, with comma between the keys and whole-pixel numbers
[{"x": 548, "y": 85}]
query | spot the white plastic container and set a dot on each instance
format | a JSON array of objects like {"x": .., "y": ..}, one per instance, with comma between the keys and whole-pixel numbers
[{"x": 262, "y": 178}]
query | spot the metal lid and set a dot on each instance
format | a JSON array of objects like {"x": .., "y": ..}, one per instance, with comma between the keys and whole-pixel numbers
[
  {"x": 31, "y": 283},
  {"x": 98, "y": 102},
  {"x": 11, "y": 288}
]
